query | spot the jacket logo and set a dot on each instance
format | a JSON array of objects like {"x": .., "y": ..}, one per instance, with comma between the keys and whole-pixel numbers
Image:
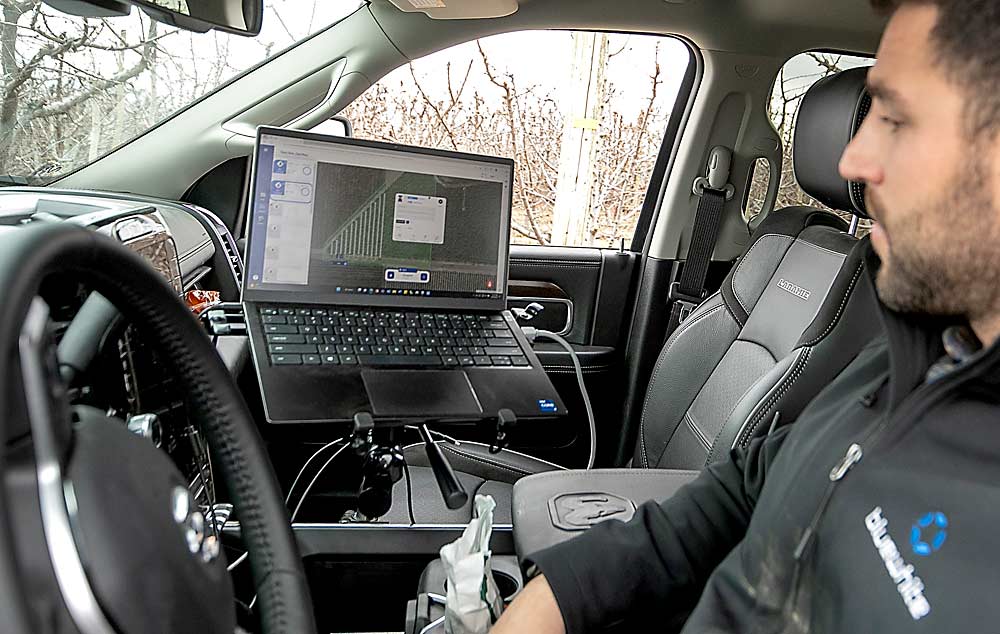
[
  {"x": 794, "y": 289},
  {"x": 908, "y": 584},
  {"x": 936, "y": 520}
]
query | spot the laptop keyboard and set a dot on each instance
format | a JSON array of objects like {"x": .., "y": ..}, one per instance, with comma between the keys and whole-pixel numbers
[{"x": 377, "y": 337}]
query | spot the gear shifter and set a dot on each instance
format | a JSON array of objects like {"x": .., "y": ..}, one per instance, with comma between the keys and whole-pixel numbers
[{"x": 452, "y": 491}]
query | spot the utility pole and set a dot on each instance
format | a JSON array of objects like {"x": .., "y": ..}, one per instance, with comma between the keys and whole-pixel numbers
[{"x": 578, "y": 149}]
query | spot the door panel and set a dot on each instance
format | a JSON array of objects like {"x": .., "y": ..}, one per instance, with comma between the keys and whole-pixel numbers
[
  {"x": 556, "y": 317},
  {"x": 574, "y": 273},
  {"x": 586, "y": 294}
]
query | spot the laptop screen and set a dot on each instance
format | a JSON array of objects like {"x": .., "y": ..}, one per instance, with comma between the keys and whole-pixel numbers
[{"x": 346, "y": 221}]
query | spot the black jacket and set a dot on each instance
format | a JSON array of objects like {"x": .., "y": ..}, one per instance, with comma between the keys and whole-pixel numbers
[{"x": 802, "y": 533}]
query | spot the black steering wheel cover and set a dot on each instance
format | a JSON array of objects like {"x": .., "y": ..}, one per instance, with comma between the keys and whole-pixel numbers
[{"x": 31, "y": 254}]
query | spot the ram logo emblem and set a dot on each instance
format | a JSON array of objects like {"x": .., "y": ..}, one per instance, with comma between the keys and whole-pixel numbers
[{"x": 579, "y": 511}]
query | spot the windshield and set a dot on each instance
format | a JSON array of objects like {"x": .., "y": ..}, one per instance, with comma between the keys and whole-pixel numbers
[{"x": 75, "y": 88}]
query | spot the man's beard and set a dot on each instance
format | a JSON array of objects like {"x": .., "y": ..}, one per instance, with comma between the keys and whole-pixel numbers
[{"x": 944, "y": 259}]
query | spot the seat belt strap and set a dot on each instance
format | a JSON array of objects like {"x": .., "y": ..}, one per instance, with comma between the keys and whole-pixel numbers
[{"x": 713, "y": 190}]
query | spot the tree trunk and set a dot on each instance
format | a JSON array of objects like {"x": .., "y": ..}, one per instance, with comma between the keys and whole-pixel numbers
[
  {"x": 95, "y": 131},
  {"x": 12, "y": 12},
  {"x": 574, "y": 187}
]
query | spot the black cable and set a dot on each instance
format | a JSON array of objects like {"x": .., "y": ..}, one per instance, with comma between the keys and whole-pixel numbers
[{"x": 409, "y": 492}]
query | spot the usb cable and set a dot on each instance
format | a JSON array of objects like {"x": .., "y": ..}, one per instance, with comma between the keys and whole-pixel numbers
[{"x": 533, "y": 333}]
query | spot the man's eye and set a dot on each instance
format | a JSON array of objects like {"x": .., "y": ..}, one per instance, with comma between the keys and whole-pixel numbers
[{"x": 894, "y": 124}]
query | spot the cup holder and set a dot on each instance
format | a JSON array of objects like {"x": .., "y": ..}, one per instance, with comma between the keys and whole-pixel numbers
[{"x": 507, "y": 585}]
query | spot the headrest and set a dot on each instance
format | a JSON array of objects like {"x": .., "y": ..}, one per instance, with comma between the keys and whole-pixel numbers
[{"x": 830, "y": 113}]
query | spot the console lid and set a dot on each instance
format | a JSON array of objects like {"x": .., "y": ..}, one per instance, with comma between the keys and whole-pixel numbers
[{"x": 554, "y": 506}]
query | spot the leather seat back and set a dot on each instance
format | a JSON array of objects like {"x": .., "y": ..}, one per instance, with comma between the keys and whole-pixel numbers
[{"x": 742, "y": 355}]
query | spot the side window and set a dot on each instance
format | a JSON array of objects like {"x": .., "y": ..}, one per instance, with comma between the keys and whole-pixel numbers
[
  {"x": 581, "y": 113},
  {"x": 794, "y": 79}
]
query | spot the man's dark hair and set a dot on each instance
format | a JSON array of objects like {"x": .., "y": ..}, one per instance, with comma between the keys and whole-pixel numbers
[{"x": 967, "y": 34}]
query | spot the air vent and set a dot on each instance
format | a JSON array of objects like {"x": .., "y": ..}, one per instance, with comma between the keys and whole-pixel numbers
[
  {"x": 225, "y": 238},
  {"x": 233, "y": 256}
]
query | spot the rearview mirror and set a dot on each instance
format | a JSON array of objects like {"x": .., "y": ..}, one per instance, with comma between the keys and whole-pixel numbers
[{"x": 242, "y": 17}]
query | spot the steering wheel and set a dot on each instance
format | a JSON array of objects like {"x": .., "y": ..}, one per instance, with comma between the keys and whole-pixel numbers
[{"x": 98, "y": 533}]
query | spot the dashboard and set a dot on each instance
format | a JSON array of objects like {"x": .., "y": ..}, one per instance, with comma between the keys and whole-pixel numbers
[
  {"x": 112, "y": 365},
  {"x": 202, "y": 240}
]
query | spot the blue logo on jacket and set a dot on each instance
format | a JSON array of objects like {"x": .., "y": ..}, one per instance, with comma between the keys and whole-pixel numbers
[{"x": 929, "y": 533}]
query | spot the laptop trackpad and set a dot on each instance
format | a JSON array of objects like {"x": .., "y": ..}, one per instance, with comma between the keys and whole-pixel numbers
[{"x": 420, "y": 393}]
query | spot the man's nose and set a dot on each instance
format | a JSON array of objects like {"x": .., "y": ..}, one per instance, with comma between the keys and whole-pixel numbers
[{"x": 858, "y": 163}]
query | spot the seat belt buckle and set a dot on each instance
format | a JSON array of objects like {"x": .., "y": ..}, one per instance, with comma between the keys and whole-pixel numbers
[{"x": 685, "y": 303}]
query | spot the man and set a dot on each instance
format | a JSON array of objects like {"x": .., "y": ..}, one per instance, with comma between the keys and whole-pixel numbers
[{"x": 881, "y": 511}]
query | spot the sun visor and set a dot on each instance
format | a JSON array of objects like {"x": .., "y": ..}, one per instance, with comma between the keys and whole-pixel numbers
[{"x": 458, "y": 9}]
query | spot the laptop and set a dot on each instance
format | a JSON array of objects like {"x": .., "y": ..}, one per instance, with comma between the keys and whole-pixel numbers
[{"x": 376, "y": 282}]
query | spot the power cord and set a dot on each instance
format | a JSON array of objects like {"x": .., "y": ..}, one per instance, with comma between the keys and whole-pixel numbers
[
  {"x": 533, "y": 333},
  {"x": 306, "y": 466},
  {"x": 305, "y": 493},
  {"x": 291, "y": 489}
]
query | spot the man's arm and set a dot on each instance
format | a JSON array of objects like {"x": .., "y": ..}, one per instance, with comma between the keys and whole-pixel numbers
[
  {"x": 652, "y": 567},
  {"x": 535, "y": 610}
]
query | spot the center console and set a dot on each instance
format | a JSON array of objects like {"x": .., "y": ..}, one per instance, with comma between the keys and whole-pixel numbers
[{"x": 553, "y": 507}]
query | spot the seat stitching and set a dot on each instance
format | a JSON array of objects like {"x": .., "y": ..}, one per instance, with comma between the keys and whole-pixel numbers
[
  {"x": 711, "y": 450},
  {"x": 818, "y": 247},
  {"x": 500, "y": 466},
  {"x": 755, "y": 411},
  {"x": 760, "y": 416},
  {"x": 512, "y": 451},
  {"x": 659, "y": 365},
  {"x": 732, "y": 280},
  {"x": 840, "y": 309},
  {"x": 732, "y": 313},
  {"x": 696, "y": 430},
  {"x": 504, "y": 451},
  {"x": 659, "y": 473}
]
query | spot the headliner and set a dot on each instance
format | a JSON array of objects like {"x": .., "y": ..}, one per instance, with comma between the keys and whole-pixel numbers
[{"x": 777, "y": 28}]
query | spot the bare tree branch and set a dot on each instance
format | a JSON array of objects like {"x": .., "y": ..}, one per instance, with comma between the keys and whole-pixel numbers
[
  {"x": 64, "y": 106},
  {"x": 831, "y": 65},
  {"x": 437, "y": 112}
]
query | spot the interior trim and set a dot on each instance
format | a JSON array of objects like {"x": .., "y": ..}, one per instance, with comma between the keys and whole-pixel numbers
[
  {"x": 559, "y": 300},
  {"x": 393, "y": 540},
  {"x": 55, "y": 494}
]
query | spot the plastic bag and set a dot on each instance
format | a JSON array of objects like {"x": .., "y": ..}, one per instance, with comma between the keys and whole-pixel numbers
[{"x": 474, "y": 603}]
